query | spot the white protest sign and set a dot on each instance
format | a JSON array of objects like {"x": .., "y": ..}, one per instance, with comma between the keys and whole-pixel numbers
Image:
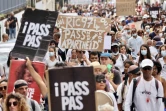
[{"x": 107, "y": 42}]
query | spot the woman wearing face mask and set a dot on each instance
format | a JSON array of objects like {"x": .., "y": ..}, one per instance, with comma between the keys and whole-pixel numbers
[
  {"x": 53, "y": 58},
  {"x": 120, "y": 58},
  {"x": 144, "y": 53},
  {"x": 162, "y": 60}
]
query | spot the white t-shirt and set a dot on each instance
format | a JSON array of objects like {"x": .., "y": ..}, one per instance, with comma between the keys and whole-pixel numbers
[
  {"x": 135, "y": 43},
  {"x": 51, "y": 64},
  {"x": 153, "y": 51},
  {"x": 119, "y": 93},
  {"x": 145, "y": 90},
  {"x": 163, "y": 64},
  {"x": 119, "y": 62}
]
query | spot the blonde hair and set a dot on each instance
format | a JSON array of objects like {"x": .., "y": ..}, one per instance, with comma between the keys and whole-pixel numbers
[{"x": 22, "y": 104}]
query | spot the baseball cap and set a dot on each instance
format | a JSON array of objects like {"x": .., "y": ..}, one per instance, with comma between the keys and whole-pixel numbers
[
  {"x": 147, "y": 62},
  {"x": 159, "y": 43},
  {"x": 157, "y": 38},
  {"x": 115, "y": 43},
  {"x": 105, "y": 55}
]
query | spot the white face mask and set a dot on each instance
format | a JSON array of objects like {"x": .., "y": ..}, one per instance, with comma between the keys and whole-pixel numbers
[
  {"x": 115, "y": 53},
  {"x": 163, "y": 53},
  {"x": 51, "y": 54},
  {"x": 144, "y": 52}
]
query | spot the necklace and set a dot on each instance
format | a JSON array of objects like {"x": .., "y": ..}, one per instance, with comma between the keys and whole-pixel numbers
[{"x": 147, "y": 92}]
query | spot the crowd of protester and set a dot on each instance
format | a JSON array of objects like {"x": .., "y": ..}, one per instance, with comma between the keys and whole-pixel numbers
[{"x": 132, "y": 73}]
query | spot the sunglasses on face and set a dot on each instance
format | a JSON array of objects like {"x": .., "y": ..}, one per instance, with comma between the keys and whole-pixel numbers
[
  {"x": 15, "y": 103},
  {"x": 101, "y": 80},
  {"x": 3, "y": 88},
  {"x": 147, "y": 68}
]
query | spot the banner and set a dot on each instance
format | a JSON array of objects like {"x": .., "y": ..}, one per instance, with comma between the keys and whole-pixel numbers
[
  {"x": 18, "y": 70},
  {"x": 125, "y": 7},
  {"x": 35, "y": 33},
  {"x": 71, "y": 89},
  {"x": 84, "y": 33}
]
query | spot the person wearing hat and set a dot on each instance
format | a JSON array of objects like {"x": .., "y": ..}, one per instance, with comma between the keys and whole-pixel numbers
[
  {"x": 148, "y": 92},
  {"x": 153, "y": 48},
  {"x": 98, "y": 69},
  {"x": 133, "y": 72},
  {"x": 21, "y": 87},
  {"x": 115, "y": 79},
  {"x": 120, "y": 58}
]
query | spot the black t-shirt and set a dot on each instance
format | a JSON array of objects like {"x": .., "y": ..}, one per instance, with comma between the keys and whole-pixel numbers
[
  {"x": 152, "y": 35},
  {"x": 13, "y": 24}
]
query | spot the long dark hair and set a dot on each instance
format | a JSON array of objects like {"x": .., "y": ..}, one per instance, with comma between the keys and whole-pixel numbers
[{"x": 141, "y": 57}]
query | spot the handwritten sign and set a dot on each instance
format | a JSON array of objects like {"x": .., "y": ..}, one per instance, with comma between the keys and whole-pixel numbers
[
  {"x": 84, "y": 33},
  {"x": 125, "y": 7}
]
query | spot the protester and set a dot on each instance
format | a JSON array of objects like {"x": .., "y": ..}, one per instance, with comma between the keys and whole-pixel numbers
[
  {"x": 98, "y": 69},
  {"x": 133, "y": 72},
  {"x": 144, "y": 53},
  {"x": 53, "y": 59},
  {"x": 5, "y": 38},
  {"x": 12, "y": 25},
  {"x": 16, "y": 102},
  {"x": 124, "y": 50},
  {"x": 120, "y": 58},
  {"x": 3, "y": 93},
  {"x": 21, "y": 87},
  {"x": 134, "y": 43},
  {"x": 101, "y": 85},
  {"x": 156, "y": 74},
  {"x": 162, "y": 60},
  {"x": 144, "y": 89},
  {"x": 93, "y": 56}
]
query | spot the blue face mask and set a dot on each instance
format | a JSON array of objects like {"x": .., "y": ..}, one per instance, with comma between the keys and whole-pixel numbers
[
  {"x": 163, "y": 53},
  {"x": 144, "y": 52},
  {"x": 51, "y": 54},
  {"x": 148, "y": 30}
]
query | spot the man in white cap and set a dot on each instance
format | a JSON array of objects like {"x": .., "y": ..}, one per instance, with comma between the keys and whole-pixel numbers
[{"x": 145, "y": 93}]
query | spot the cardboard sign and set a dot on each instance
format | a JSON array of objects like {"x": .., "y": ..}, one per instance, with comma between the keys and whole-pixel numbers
[
  {"x": 125, "y": 7},
  {"x": 154, "y": 12},
  {"x": 35, "y": 34},
  {"x": 71, "y": 89},
  {"x": 83, "y": 33},
  {"x": 18, "y": 70}
]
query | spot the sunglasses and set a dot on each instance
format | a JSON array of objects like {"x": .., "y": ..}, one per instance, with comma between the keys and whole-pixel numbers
[
  {"x": 15, "y": 103},
  {"x": 3, "y": 88},
  {"x": 101, "y": 80},
  {"x": 147, "y": 68}
]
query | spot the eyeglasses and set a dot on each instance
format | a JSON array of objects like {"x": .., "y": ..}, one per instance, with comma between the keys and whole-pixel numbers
[
  {"x": 15, "y": 103},
  {"x": 147, "y": 68},
  {"x": 101, "y": 80},
  {"x": 3, "y": 88}
]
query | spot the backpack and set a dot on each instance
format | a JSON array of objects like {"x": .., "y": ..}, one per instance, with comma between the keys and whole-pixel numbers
[
  {"x": 33, "y": 105},
  {"x": 135, "y": 84}
]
